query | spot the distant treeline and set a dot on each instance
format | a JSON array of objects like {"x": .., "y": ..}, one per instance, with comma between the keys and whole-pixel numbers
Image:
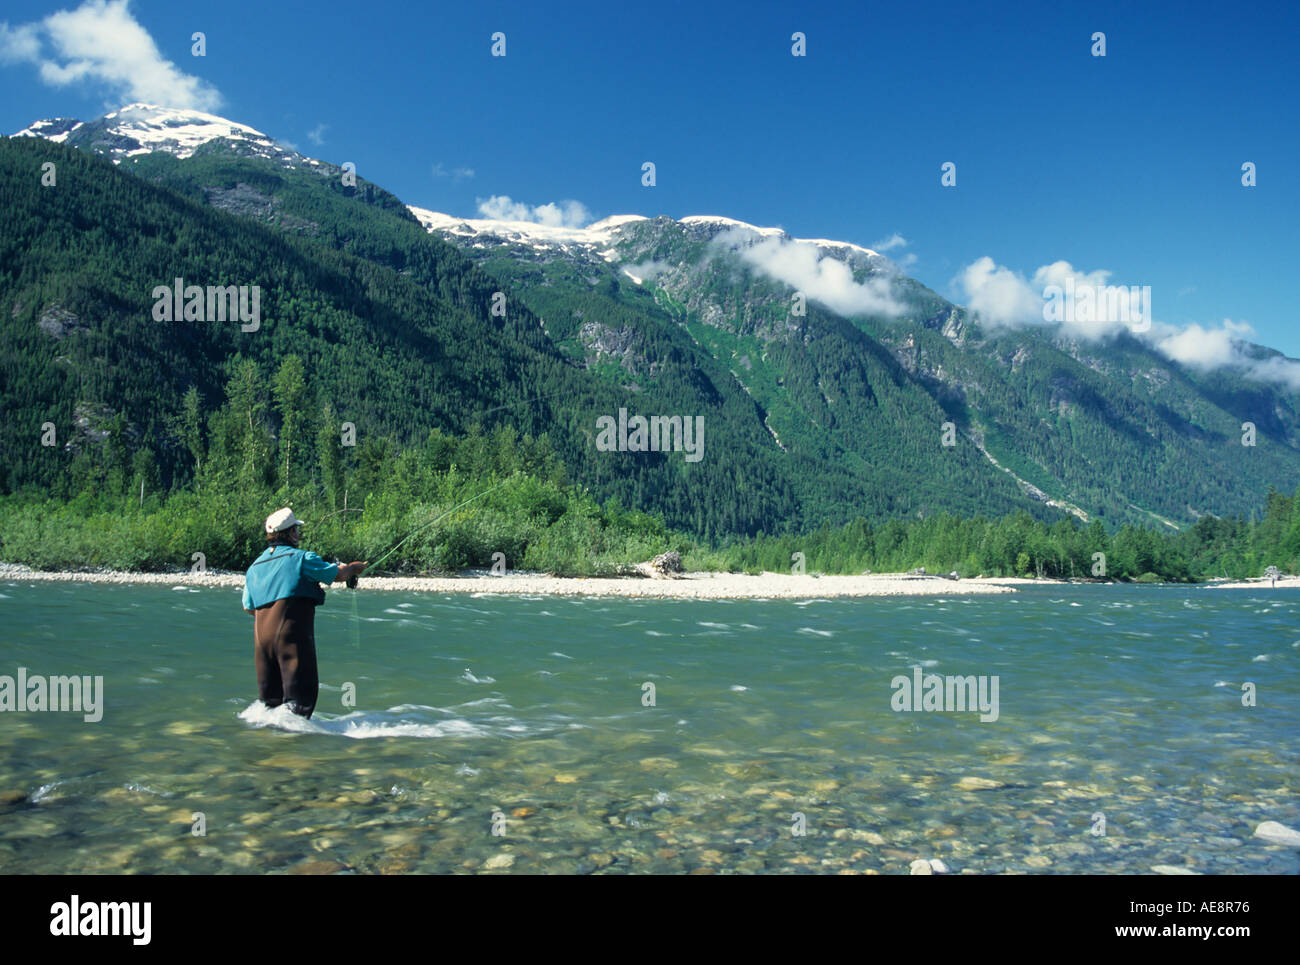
[
  {"x": 1019, "y": 545},
  {"x": 274, "y": 443}
]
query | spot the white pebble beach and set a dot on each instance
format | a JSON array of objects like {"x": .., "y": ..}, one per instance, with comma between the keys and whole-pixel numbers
[{"x": 697, "y": 585}]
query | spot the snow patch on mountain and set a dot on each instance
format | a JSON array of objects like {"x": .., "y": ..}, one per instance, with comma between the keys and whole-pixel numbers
[
  {"x": 145, "y": 128},
  {"x": 597, "y": 236},
  {"x": 825, "y": 243},
  {"x": 713, "y": 219},
  {"x": 178, "y": 132},
  {"x": 56, "y": 129},
  {"x": 616, "y": 221},
  {"x": 732, "y": 223}
]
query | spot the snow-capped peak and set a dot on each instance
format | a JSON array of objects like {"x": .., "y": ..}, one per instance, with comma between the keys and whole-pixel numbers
[
  {"x": 159, "y": 128},
  {"x": 524, "y": 232},
  {"x": 145, "y": 128}
]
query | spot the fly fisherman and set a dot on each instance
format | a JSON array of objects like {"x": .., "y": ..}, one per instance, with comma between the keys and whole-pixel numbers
[{"x": 282, "y": 590}]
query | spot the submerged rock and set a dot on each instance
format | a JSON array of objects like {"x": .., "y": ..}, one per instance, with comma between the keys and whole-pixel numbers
[
  {"x": 854, "y": 834},
  {"x": 317, "y": 867},
  {"x": 1275, "y": 833},
  {"x": 978, "y": 784},
  {"x": 240, "y": 859},
  {"x": 921, "y": 867},
  {"x": 183, "y": 728},
  {"x": 291, "y": 761},
  {"x": 658, "y": 763}
]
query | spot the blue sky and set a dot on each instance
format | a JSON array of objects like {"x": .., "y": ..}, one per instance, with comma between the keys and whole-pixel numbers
[{"x": 1128, "y": 164}]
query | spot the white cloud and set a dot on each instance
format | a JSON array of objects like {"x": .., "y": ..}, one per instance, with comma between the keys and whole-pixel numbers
[
  {"x": 808, "y": 269},
  {"x": 1277, "y": 369},
  {"x": 102, "y": 44},
  {"x": 19, "y": 44},
  {"x": 1116, "y": 307},
  {"x": 317, "y": 134},
  {"x": 896, "y": 241},
  {"x": 893, "y": 241},
  {"x": 1004, "y": 298},
  {"x": 561, "y": 214},
  {"x": 649, "y": 270},
  {"x": 1204, "y": 348},
  {"x": 456, "y": 174},
  {"x": 1227, "y": 346},
  {"x": 999, "y": 296}
]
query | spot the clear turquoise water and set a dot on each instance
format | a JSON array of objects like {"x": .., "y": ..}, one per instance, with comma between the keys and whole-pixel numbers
[{"x": 1119, "y": 700}]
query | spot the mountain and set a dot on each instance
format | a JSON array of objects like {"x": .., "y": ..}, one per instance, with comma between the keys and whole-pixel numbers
[
  {"x": 1108, "y": 428},
  {"x": 394, "y": 325},
  {"x": 814, "y": 412}
]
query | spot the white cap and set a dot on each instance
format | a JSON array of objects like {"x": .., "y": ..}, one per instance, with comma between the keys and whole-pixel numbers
[{"x": 280, "y": 520}]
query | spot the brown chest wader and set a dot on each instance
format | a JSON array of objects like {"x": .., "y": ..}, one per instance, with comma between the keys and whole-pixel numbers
[{"x": 284, "y": 650}]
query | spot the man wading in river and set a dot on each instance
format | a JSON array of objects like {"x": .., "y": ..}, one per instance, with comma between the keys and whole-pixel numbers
[{"x": 282, "y": 590}]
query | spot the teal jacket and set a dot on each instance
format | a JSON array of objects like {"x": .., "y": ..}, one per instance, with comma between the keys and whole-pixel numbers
[{"x": 286, "y": 571}]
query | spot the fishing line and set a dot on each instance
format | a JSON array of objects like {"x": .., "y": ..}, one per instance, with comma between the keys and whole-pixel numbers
[
  {"x": 356, "y": 617},
  {"x": 356, "y": 622},
  {"x": 432, "y": 521}
]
